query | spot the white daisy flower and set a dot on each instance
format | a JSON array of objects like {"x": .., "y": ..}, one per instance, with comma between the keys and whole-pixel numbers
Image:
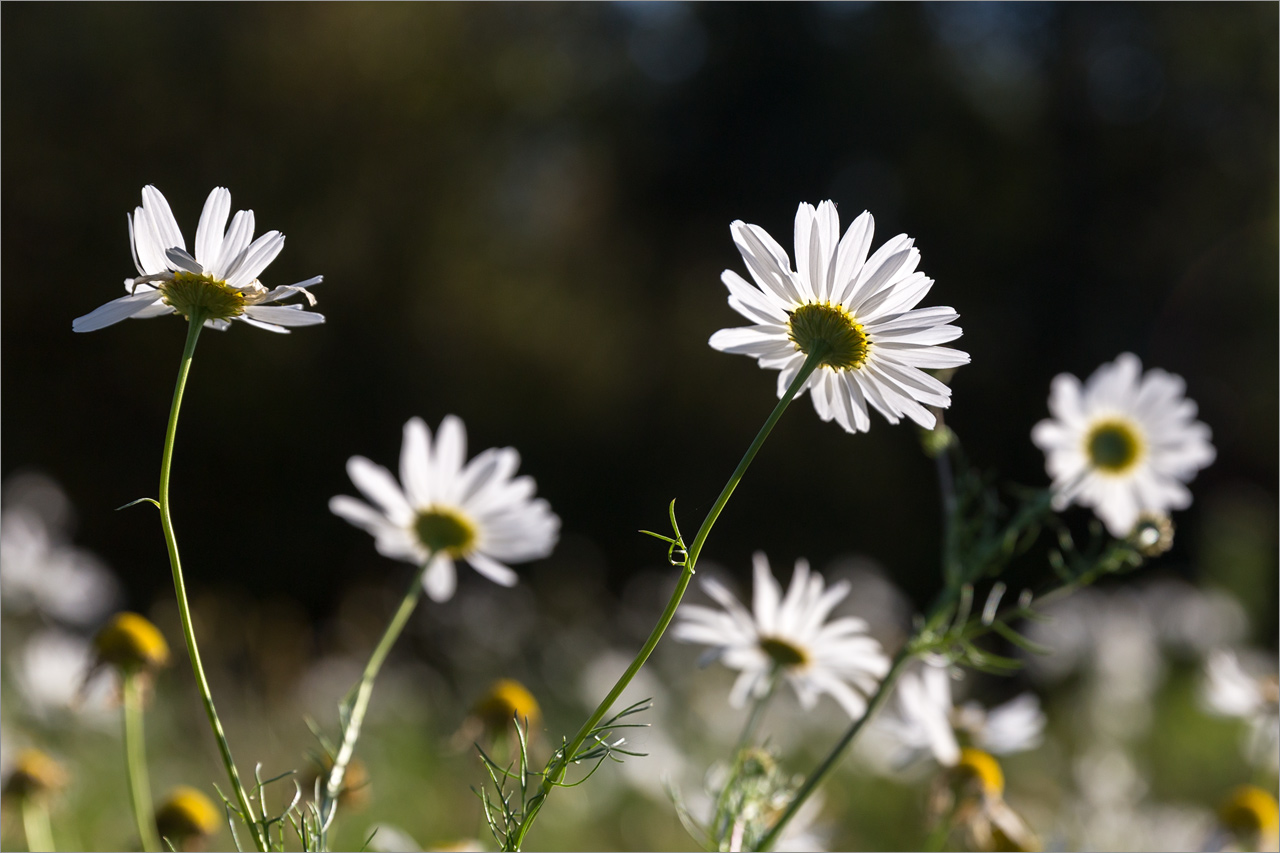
[
  {"x": 789, "y": 635},
  {"x": 443, "y": 510},
  {"x": 857, "y": 310},
  {"x": 1230, "y": 690},
  {"x": 1123, "y": 444},
  {"x": 927, "y": 721},
  {"x": 220, "y": 279}
]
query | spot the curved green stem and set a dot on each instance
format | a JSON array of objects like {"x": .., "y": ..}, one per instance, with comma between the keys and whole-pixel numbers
[
  {"x": 35, "y": 823},
  {"x": 359, "y": 705},
  {"x": 195, "y": 323},
  {"x": 135, "y": 751},
  {"x": 556, "y": 773},
  {"x": 816, "y": 778}
]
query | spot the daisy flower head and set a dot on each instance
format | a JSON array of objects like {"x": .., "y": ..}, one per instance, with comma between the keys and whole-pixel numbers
[
  {"x": 788, "y": 637},
  {"x": 927, "y": 721},
  {"x": 857, "y": 312},
  {"x": 219, "y": 282},
  {"x": 1123, "y": 444},
  {"x": 445, "y": 509}
]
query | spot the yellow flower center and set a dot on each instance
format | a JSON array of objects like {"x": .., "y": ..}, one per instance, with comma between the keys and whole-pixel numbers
[
  {"x": 1113, "y": 446},
  {"x": 445, "y": 531},
  {"x": 506, "y": 700},
  {"x": 130, "y": 642},
  {"x": 978, "y": 766},
  {"x": 214, "y": 300},
  {"x": 34, "y": 775},
  {"x": 186, "y": 814},
  {"x": 831, "y": 330},
  {"x": 1253, "y": 814},
  {"x": 783, "y": 653}
]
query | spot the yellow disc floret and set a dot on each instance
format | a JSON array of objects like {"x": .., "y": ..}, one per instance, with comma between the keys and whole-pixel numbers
[
  {"x": 190, "y": 293},
  {"x": 830, "y": 330},
  {"x": 445, "y": 531},
  {"x": 1113, "y": 446},
  {"x": 783, "y": 652},
  {"x": 186, "y": 816},
  {"x": 505, "y": 701},
  {"x": 1253, "y": 816},
  {"x": 131, "y": 643},
  {"x": 980, "y": 767},
  {"x": 34, "y": 775}
]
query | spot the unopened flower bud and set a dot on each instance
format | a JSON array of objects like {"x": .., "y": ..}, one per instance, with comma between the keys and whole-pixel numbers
[{"x": 186, "y": 818}]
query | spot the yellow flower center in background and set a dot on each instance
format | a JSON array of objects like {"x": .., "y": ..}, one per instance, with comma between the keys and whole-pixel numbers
[
  {"x": 34, "y": 775},
  {"x": 1253, "y": 815},
  {"x": 185, "y": 815},
  {"x": 215, "y": 300},
  {"x": 1113, "y": 446},
  {"x": 445, "y": 531},
  {"x": 978, "y": 766},
  {"x": 785, "y": 654},
  {"x": 507, "y": 700},
  {"x": 832, "y": 330},
  {"x": 130, "y": 642}
]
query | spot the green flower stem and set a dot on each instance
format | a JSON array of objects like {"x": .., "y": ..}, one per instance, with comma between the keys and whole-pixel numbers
[
  {"x": 556, "y": 773},
  {"x": 739, "y": 750},
  {"x": 363, "y": 692},
  {"x": 135, "y": 752},
  {"x": 824, "y": 769},
  {"x": 35, "y": 823},
  {"x": 194, "y": 324}
]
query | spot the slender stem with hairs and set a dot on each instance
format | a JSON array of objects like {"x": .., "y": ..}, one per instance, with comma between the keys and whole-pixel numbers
[
  {"x": 194, "y": 324},
  {"x": 363, "y": 691},
  {"x": 35, "y": 823},
  {"x": 560, "y": 765}
]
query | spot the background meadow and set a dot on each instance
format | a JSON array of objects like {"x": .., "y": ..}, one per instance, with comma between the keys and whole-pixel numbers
[{"x": 521, "y": 213}]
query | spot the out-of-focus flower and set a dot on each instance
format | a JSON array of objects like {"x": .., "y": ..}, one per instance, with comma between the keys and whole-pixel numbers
[
  {"x": 1230, "y": 691},
  {"x": 444, "y": 510},
  {"x": 787, "y": 637},
  {"x": 131, "y": 643},
  {"x": 1251, "y": 817},
  {"x": 927, "y": 721},
  {"x": 1123, "y": 444},
  {"x": 187, "y": 818},
  {"x": 220, "y": 280},
  {"x": 507, "y": 701},
  {"x": 34, "y": 775},
  {"x": 357, "y": 789},
  {"x": 38, "y": 569},
  {"x": 968, "y": 798},
  {"x": 857, "y": 311}
]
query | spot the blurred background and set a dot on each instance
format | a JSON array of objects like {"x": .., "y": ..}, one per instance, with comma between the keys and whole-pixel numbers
[{"x": 521, "y": 213}]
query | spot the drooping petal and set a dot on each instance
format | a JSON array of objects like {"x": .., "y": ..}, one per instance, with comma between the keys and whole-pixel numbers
[{"x": 115, "y": 311}]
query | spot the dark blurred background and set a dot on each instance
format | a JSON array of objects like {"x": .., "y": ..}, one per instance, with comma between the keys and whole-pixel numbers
[{"x": 522, "y": 211}]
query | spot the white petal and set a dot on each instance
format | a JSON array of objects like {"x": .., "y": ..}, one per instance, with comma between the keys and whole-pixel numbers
[
  {"x": 236, "y": 241},
  {"x": 380, "y": 487},
  {"x": 748, "y": 340},
  {"x": 166, "y": 227},
  {"x": 415, "y": 463},
  {"x": 114, "y": 311},
  {"x": 492, "y": 569},
  {"x": 851, "y": 255},
  {"x": 213, "y": 223},
  {"x": 255, "y": 259},
  {"x": 440, "y": 579},
  {"x": 285, "y": 315}
]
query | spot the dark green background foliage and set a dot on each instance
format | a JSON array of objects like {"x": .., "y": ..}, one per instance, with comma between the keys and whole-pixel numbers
[{"x": 521, "y": 213}]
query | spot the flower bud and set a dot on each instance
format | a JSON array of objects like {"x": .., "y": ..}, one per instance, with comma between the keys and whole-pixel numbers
[
  {"x": 186, "y": 818},
  {"x": 131, "y": 643}
]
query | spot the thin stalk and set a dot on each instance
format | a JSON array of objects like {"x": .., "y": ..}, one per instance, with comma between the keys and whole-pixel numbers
[
  {"x": 135, "y": 752},
  {"x": 35, "y": 823},
  {"x": 748, "y": 732},
  {"x": 556, "y": 774},
  {"x": 815, "y": 778},
  {"x": 363, "y": 692},
  {"x": 194, "y": 324}
]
